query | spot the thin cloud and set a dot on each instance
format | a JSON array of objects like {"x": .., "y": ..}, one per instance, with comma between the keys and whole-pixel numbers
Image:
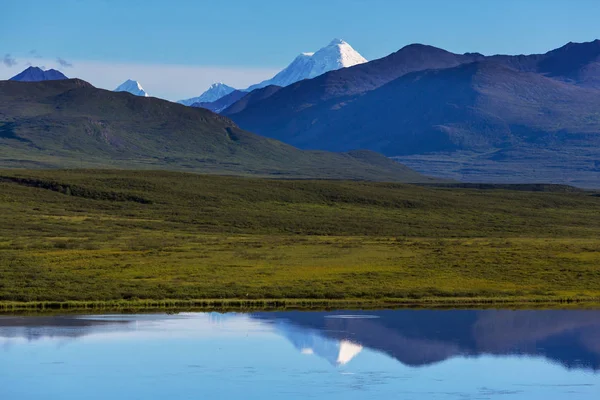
[
  {"x": 64, "y": 63},
  {"x": 34, "y": 53},
  {"x": 9, "y": 61}
]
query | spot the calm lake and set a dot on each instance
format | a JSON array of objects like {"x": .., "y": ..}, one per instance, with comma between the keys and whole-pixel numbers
[{"x": 400, "y": 354}]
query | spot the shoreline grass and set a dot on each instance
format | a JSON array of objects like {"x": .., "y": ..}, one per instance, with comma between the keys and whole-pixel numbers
[{"x": 245, "y": 305}]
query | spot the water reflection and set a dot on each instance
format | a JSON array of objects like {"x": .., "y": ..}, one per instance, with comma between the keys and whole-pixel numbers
[
  {"x": 33, "y": 328},
  {"x": 404, "y": 354},
  {"x": 311, "y": 341},
  {"x": 412, "y": 337},
  {"x": 422, "y": 337}
]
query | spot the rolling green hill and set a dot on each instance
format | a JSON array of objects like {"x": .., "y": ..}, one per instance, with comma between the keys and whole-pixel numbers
[{"x": 71, "y": 124}]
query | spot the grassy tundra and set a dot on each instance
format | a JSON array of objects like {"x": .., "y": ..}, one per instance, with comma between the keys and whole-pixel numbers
[{"x": 98, "y": 235}]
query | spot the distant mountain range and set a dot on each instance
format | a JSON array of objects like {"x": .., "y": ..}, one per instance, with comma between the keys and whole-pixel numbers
[
  {"x": 215, "y": 92},
  {"x": 337, "y": 54},
  {"x": 224, "y": 102},
  {"x": 254, "y": 96},
  {"x": 133, "y": 87},
  {"x": 498, "y": 118},
  {"x": 576, "y": 63},
  {"x": 71, "y": 124},
  {"x": 36, "y": 74},
  {"x": 469, "y": 117}
]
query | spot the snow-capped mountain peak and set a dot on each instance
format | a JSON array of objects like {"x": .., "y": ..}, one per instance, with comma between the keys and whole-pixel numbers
[
  {"x": 213, "y": 93},
  {"x": 337, "y": 54},
  {"x": 337, "y": 41},
  {"x": 132, "y": 87}
]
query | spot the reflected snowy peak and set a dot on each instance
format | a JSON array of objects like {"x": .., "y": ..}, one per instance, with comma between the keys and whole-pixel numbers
[
  {"x": 414, "y": 338},
  {"x": 425, "y": 337},
  {"x": 313, "y": 342}
]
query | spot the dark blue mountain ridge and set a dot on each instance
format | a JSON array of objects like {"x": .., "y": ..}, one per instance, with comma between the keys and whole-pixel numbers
[
  {"x": 495, "y": 118},
  {"x": 222, "y": 103},
  {"x": 36, "y": 74}
]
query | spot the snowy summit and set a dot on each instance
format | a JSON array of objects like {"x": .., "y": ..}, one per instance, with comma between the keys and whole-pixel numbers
[
  {"x": 337, "y": 54},
  {"x": 132, "y": 87},
  {"x": 214, "y": 93}
]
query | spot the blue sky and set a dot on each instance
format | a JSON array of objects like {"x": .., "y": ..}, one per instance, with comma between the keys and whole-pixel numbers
[{"x": 240, "y": 41}]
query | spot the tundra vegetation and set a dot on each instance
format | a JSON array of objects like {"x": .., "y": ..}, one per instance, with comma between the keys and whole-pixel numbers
[{"x": 95, "y": 236}]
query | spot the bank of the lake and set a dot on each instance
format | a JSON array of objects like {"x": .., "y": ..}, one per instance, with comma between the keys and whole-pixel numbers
[
  {"x": 244, "y": 305},
  {"x": 89, "y": 238}
]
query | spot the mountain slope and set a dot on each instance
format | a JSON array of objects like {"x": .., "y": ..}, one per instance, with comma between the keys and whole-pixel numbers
[
  {"x": 337, "y": 54},
  {"x": 573, "y": 63},
  {"x": 267, "y": 116},
  {"x": 132, "y": 87},
  {"x": 35, "y": 74},
  {"x": 468, "y": 117},
  {"x": 254, "y": 96},
  {"x": 71, "y": 124},
  {"x": 500, "y": 124},
  {"x": 221, "y": 104},
  {"x": 577, "y": 63},
  {"x": 215, "y": 92},
  {"x": 473, "y": 107}
]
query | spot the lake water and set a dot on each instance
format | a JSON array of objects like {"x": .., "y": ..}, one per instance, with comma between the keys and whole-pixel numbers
[{"x": 403, "y": 354}]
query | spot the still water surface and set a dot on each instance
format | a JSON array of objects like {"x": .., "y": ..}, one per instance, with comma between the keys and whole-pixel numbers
[{"x": 404, "y": 354}]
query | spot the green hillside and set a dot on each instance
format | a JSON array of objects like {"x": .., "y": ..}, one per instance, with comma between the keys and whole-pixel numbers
[{"x": 71, "y": 124}]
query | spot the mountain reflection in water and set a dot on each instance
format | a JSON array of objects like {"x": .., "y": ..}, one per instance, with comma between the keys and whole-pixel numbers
[
  {"x": 413, "y": 337},
  {"x": 422, "y": 337}
]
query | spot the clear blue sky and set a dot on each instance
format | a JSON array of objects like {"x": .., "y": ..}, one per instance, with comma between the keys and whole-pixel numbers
[{"x": 268, "y": 34}]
